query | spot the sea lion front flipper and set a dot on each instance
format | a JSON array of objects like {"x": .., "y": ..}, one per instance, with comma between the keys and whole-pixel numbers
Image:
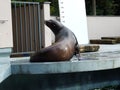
[{"x": 77, "y": 51}]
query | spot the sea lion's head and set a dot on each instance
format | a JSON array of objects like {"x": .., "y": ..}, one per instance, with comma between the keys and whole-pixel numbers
[{"x": 54, "y": 25}]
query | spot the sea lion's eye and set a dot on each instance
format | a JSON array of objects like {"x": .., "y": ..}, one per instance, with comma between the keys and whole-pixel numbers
[{"x": 54, "y": 25}]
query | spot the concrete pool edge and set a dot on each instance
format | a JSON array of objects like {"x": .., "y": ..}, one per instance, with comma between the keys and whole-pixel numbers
[
  {"x": 64, "y": 67},
  {"x": 5, "y": 66},
  {"x": 23, "y": 66},
  {"x": 106, "y": 58}
]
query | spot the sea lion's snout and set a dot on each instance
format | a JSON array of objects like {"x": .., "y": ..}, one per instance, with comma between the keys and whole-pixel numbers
[
  {"x": 53, "y": 24},
  {"x": 48, "y": 23}
]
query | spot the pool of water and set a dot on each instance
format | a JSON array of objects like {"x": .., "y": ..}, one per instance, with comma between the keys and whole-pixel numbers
[{"x": 63, "y": 81}]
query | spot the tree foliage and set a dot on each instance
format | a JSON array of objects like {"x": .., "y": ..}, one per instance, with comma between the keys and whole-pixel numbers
[
  {"x": 89, "y": 7},
  {"x": 103, "y": 7}
]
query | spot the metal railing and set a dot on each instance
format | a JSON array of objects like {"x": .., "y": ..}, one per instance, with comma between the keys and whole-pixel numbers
[{"x": 26, "y": 26}]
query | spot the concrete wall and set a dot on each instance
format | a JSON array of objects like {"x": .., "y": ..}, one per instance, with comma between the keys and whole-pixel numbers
[
  {"x": 47, "y": 34},
  {"x": 103, "y": 26},
  {"x": 5, "y": 24}
]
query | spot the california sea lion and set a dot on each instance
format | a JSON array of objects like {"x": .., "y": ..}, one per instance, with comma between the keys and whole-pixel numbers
[{"x": 63, "y": 49}]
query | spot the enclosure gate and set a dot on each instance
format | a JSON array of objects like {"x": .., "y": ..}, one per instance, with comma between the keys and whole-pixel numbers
[{"x": 26, "y": 26}]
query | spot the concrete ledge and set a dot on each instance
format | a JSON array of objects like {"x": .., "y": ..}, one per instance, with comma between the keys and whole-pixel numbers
[
  {"x": 5, "y": 52},
  {"x": 95, "y": 69},
  {"x": 109, "y": 58},
  {"x": 5, "y": 71},
  {"x": 5, "y": 66},
  {"x": 64, "y": 67}
]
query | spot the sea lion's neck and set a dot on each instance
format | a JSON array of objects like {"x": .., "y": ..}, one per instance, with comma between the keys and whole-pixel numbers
[{"x": 57, "y": 30}]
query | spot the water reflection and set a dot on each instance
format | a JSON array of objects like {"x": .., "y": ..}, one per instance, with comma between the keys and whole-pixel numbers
[{"x": 99, "y": 56}]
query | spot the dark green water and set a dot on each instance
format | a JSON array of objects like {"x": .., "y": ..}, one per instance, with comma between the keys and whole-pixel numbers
[
  {"x": 95, "y": 80},
  {"x": 115, "y": 87}
]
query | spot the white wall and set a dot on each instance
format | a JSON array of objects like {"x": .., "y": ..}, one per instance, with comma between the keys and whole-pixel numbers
[
  {"x": 47, "y": 32},
  {"x": 103, "y": 26},
  {"x": 5, "y": 24},
  {"x": 73, "y": 15}
]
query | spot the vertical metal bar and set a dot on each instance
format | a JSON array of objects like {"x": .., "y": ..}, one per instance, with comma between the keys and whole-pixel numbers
[
  {"x": 26, "y": 34},
  {"x": 39, "y": 25},
  {"x": 34, "y": 26},
  {"x": 30, "y": 27},
  {"x": 21, "y": 27},
  {"x": 16, "y": 26}
]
